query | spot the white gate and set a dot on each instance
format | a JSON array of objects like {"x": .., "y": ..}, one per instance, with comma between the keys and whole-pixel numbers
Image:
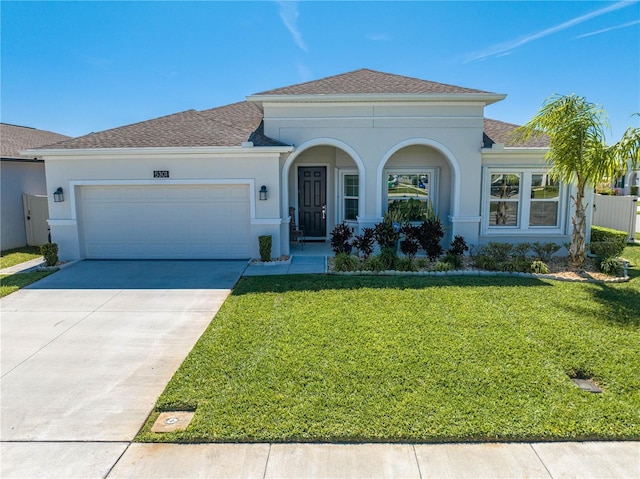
[
  {"x": 36, "y": 214},
  {"x": 616, "y": 212}
]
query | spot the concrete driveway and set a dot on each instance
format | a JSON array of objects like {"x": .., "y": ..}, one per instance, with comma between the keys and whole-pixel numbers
[{"x": 87, "y": 351}]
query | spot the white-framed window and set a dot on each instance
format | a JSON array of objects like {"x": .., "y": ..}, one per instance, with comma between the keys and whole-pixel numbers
[
  {"x": 545, "y": 201},
  {"x": 405, "y": 186},
  {"x": 504, "y": 199},
  {"x": 350, "y": 195},
  {"x": 522, "y": 201}
]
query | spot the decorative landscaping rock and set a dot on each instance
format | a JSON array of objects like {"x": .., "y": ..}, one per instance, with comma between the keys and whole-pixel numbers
[{"x": 273, "y": 262}]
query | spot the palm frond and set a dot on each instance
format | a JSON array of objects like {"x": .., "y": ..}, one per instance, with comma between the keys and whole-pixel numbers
[{"x": 628, "y": 148}]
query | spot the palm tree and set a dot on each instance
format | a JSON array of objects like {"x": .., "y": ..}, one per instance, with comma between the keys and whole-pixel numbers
[{"x": 578, "y": 153}]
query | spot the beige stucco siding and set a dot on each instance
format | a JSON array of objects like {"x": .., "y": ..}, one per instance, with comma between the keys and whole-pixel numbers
[
  {"x": 418, "y": 157},
  {"x": 373, "y": 137},
  {"x": 251, "y": 169}
]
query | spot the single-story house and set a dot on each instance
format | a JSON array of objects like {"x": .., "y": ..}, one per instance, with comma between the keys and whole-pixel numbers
[
  {"x": 24, "y": 192},
  {"x": 207, "y": 184},
  {"x": 628, "y": 183}
]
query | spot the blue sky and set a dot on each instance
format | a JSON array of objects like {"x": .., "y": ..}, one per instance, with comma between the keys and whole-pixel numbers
[{"x": 77, "y": 67}]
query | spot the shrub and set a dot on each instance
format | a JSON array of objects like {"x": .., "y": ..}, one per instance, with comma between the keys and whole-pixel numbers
[
  {"x": 453, "y": 259},
  {"x": 389, "y": 257},
  {"x": 373, "y": 263},
  {"x": 493, "y": 257},
  {"x": 521, "y": 265},
  {"x": 386, "y": 234},
  {"x": 264, "y": 243},
  {"x": 340, "y": 236},
  {"x": 429, "y": 234},
  {"x": 50, "y": 253},
  {"x": 605, "y": 249},
  {"x": 406, "y": 264},
  {"x": 395, "y": 215},
  {"x": 422, "y": 263},
  {"x": 539, "y": 267},
  {"x": 500, "y": 252},
  {"x": 483, "y": 260},
  {"x": 508, "y": 266},
  {"x": 606, "y": 189},
  {"x": 520, "y": 250},
  {"x": 442, "y": 266},
  {"x": 458, "y": 246},
  {"x": 545, "y": 251},
  {"x": 600, "y": 234},
  {"x": 611, "y": 266},
  {"x": 486, "y": 262},
  {"x": 633, "y": 190},
  {"x": 410, "y": 210},
  {"x": 430, "y": 213},
  {"x": 409, "y": 247},
  {"x": 364, "y": 242},
  {"x": 345, "y": 262}
]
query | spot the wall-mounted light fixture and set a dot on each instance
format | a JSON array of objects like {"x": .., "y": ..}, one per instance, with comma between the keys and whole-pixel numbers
[
  {"x": 58, "y": 195},
  {"x": 263, "y": 193}
]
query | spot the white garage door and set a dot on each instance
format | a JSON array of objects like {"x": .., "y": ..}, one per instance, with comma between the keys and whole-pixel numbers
[{"x": 164, "y": 222}]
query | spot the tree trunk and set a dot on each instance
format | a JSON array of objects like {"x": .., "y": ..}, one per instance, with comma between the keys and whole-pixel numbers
[{"x": 577, "y": 250}]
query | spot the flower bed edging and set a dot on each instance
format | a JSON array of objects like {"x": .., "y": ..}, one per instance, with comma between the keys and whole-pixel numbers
[{"x": 619, "y": 279}]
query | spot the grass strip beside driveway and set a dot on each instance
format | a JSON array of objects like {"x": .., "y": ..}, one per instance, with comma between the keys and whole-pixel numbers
[
  {"x": 12, "y": 257},
  {"x": 340, "y": 359},
  {"x": 14, "y": 282}
]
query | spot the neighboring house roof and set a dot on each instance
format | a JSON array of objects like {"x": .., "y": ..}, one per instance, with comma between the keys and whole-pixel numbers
[
  {"x": 14, "y": 138},
  {"x": 368, "y": 81},
  {"x": 234, "y": 124},
  {"x": 500, "y": 132}
]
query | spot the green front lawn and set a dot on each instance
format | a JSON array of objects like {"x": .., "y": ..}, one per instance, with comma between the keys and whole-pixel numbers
[
  {"x": 14, "y": 282},
  {"x": 12, "y": 257},
  {"x": 337, "y": 358}
]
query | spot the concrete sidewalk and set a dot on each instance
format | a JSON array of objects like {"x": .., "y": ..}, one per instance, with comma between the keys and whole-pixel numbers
[
  {"x": 296, "y": 265},
  {"x": 539, "y": 460},
  {"x": 113, "y": 460},
  {"x": 25, "y": 267}
]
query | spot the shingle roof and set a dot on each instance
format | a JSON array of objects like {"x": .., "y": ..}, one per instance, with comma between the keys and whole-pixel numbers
[
  {"x": 368, "y": 81},
  {"x": 228, "y": 125},
  {"x": 500, "y": 132},
  {"x": 14, "y": 138},
  {"x": 258, "y": 138},
  {"x": 233, "y": 124}
]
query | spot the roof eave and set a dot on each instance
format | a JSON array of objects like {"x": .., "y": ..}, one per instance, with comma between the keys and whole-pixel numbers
[
  {"x": 516, "y": 149},
  {"x": 486, "y": 98},
  {"x": 186, "y": 150},
  {"x": 20, "y": 160}
]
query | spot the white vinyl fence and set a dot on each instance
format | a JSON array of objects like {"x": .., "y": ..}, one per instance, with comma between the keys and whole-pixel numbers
[{"x": 617, "y": 212}]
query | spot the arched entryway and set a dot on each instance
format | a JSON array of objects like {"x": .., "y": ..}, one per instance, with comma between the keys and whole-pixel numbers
[
  {"x": 419, "y": 169},
  {"x": 323, "y": 184}
]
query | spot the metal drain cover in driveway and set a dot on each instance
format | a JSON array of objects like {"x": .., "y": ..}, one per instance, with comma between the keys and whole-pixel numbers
[{"x": 172, "y": 421}]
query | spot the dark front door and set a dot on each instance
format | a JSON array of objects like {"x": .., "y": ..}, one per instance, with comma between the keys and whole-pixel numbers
[{"x": 312, "y": 200}]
